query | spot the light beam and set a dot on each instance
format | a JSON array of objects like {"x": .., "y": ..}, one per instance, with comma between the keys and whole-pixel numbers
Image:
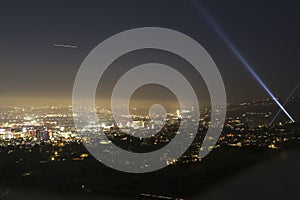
[
  {"x": 237, "y": 54},
  {"x": 285, "y": 102}
]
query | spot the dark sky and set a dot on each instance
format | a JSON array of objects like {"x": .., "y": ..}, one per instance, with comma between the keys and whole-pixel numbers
[{"x": 265, "y": 32}]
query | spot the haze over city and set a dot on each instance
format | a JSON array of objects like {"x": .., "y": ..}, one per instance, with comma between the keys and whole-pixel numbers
[
  {"x": 34, "y": 71},
  {"x": 211, "y": 112}
]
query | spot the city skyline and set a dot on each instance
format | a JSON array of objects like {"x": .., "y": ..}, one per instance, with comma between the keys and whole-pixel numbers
[{"x": 151, "y": 99}]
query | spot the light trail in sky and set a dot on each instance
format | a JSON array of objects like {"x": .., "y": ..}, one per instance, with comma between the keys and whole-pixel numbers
[
  {"x": 65, "y": 46},
  {"x": 216, "y": 28},
  {"x": 285, "y": 102}
]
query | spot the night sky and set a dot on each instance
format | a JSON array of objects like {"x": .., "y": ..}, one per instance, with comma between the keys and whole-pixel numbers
[{"x": 34, "y": 71}]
